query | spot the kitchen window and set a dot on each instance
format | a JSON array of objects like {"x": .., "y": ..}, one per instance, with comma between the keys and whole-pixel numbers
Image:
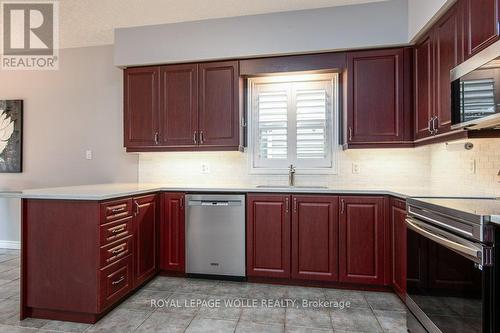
[{"x": 293, "y": 120}]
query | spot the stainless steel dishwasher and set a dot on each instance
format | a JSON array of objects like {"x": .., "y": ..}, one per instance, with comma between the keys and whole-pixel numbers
[{"x": 215, "y": 235}]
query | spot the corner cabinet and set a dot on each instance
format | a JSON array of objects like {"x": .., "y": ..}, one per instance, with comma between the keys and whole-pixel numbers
[
  {"x": 378, "y": 107},
  {"x": 184, "y": 107},
  {"x": 398, "y": 246}
]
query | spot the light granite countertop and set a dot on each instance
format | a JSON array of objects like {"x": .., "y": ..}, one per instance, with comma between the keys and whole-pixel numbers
[{"x": 109, "y": 191}]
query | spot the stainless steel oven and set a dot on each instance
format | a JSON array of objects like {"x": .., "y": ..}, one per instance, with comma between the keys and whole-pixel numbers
[{"x": 451, "y": 271}]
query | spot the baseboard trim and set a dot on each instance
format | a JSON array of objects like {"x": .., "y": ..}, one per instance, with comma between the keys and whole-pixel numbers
[{"x": 5, "y": 244}]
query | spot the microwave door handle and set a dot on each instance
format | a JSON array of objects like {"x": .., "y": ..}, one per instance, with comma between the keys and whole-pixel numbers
[{"x": 470, "y": 252}]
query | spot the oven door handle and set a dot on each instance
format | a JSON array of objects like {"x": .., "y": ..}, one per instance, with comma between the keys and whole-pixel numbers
[{"x": 471, "y": 252}]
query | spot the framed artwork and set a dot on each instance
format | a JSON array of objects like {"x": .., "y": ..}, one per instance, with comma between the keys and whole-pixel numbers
[{"x": 11, "y": 136}]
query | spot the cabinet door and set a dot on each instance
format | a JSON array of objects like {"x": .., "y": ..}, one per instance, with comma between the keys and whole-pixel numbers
[
  {"x": 481, "y": 24},
  {"x": 375, "y": 102},
  {"x": 448, "y": 34},
  {"x": 141, "y": 107},
  {"x": 398, "y": 246},
  {"x": 219, "y": 104},
  {"x": 146, "y": 231},
  {"x": 361, "y": 238},
  {"x": 423, "y": 87},
  {"x": 172, "y": 233},
  {"x": 268, "y": 236},
  {"x": 315, "y": 238},
  {"x": 179, "y": 106}
]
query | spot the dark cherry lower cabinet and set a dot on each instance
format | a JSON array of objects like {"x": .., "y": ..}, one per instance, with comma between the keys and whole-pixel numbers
[
  {"x": 398, "y": 246},
  {"x": 146, "y": 237},
  {"x": 362, "y": 240},
  {"x": 268, "y": 235},
  {"x": 80, "y": 258},
  {"x": 172, "y": 238},
  {"x": 315, "y": 238}
]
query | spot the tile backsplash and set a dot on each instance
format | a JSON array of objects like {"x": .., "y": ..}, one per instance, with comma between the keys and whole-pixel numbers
[
  {"x": 377, "y": 168},
  {"x": 448, "y": 168},
  {"x": 473, "y": 172}
]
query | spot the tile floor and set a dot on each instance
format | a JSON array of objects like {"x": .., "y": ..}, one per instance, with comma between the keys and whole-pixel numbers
[{"x": 368, "y": 311}]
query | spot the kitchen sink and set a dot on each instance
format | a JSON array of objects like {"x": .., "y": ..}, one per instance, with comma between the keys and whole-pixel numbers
[{"x": 286, "y": 186}]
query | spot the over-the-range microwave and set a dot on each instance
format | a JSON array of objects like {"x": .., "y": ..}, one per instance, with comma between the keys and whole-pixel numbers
[{"x": 475, "y": 91}]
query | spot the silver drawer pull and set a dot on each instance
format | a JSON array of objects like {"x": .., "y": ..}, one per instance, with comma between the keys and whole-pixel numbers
[
  {"x": 120, "y": 250},
  {"x": 118, "y": 210},
  {"x": 118, "y": 230},
  {"x": 120, "y": 280}
]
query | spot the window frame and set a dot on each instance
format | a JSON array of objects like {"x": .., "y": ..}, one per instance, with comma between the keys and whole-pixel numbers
[{"x": 333, "y": 137}]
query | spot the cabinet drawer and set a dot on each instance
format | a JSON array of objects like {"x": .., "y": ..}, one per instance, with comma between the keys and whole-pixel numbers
[
  {"x": 115, "y": 230},
  {"x": 116, "y": 251},
  {"x": 114, "y": 210},
  {"x": 401, "y": 204},
  {"x": 116, "y": 282}
]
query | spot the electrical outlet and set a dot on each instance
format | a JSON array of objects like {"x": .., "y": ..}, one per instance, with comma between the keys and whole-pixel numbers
[
  {"x": 472, "y": 167},
  {"x": 356, "y": 168},
  {"x": 88, "y": 154},
  {"x": 205, "y": 168}
]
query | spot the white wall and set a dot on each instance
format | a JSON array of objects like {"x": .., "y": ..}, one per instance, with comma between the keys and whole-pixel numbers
[
  {"x": 67, "y": 111},
  {"x": 314, "y": 30},
  {"x": 421, "y": 14}
]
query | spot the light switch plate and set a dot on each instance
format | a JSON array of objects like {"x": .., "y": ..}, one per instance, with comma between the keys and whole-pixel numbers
[{"x": 88, "y": 154}]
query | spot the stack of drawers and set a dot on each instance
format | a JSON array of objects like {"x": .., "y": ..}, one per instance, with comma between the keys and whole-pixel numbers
[{"x": 116, "y": 251}]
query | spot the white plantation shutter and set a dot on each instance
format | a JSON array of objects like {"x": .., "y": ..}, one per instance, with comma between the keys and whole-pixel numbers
[{"x": 292, "y": 122}]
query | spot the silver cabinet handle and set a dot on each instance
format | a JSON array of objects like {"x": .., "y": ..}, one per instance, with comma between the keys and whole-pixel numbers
[
  {"x": 342, "y": 206},
  {"x": 295, "y": 205},
  {"x": 118, "y": 210},
  {"x": 287, "y": 205},
  {"x": 435, "y": 124},
  {"x": 118, "y": 281},
  {"x": 430, "y": 125},
  {"x": 350, "y": 133},
  {"x": 156, "y": 138},
  {"x": 119, "y": 250},
  {"x": 202, "y": 137},
  {"x": 195, "y": 140},
  {"x": 137, "y": 208}
]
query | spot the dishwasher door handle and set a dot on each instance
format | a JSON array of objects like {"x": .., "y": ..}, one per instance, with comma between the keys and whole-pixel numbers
[{"x": 214, "y": 203}]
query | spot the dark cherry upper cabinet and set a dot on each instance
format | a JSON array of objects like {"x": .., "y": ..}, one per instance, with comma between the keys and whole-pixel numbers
[
  {"x": 186, "y": 107},
  {"x": 449, "y": 45},
  {"x": 398, "y": 246},
  {"x": 172, "y": 233},
  {"x": 379, "y": 108},
  {"x": 268, "y": 236},
  {"x": 481, "y": 24},
  {"x": 179, "y": 105},
  {"x": 141, "y": 105},
  {"x": 315, "y": 238},
  {"x": 219, "y": 105},
  {"x": 361, "y": 240},
  {"x": 424, "y": 87},
  {"x": 146, "y": 237}
]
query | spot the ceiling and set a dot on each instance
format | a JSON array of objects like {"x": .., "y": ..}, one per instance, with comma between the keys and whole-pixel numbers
[{"x": 91, "y": 22}]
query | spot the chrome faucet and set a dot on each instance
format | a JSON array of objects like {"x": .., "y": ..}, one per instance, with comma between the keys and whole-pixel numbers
[{"x": 291, "y": 175}]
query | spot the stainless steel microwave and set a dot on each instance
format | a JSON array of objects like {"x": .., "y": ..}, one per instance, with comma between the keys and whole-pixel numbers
[{"x": 475, "y": 91}]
